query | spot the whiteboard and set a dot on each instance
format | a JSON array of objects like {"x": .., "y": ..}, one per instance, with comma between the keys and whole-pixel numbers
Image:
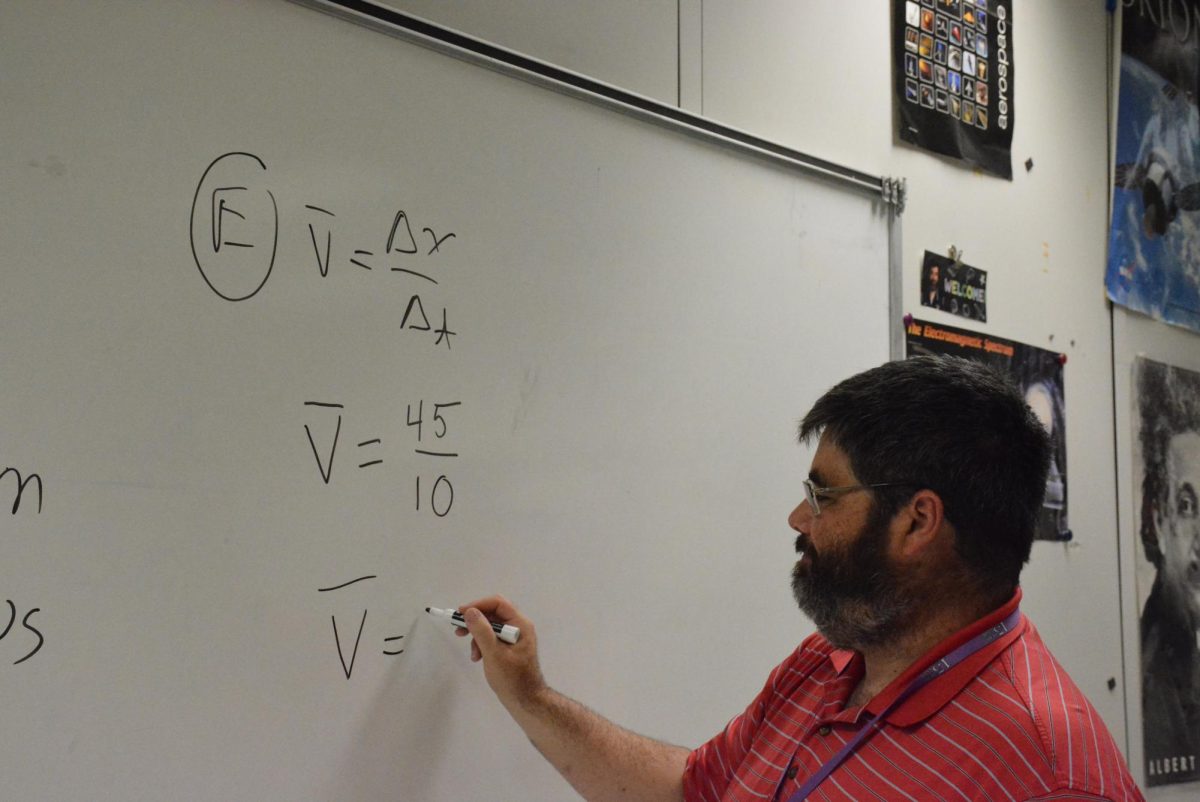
[{"x": 217, "y": 216}]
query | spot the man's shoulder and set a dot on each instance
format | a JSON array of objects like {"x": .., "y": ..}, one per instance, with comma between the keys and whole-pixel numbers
[
  {"x": 1044, "y": 686},
  {"x": 1062, "y": 729}
]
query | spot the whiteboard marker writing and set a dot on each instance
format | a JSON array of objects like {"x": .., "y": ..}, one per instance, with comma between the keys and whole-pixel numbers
[{"x": 505, "y": 632}]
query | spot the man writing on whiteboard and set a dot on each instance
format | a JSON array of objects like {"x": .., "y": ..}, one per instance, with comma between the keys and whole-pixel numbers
[{"x": 924, "y": 681}]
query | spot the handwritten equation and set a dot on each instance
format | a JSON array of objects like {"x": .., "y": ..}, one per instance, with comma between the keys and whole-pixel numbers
[
  {"x": 237, "y": 221},
  {"x": 341, "y": 636},
  {"x": 428, "y": 442},
  {"x": 235, "y": 231}
]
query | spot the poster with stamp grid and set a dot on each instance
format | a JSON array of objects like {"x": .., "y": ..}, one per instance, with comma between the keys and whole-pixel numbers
[{"x": 954, "y": 79}]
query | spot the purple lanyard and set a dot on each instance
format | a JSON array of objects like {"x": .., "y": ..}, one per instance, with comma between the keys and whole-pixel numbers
[{"x": 928, "y": 675}]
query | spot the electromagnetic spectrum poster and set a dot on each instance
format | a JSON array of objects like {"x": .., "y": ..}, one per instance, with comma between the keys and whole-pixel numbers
[
  {"x": 1154, "y": 241},
  {"x": 954, "y": 79},
  {"x": 1039, "y": 374}
]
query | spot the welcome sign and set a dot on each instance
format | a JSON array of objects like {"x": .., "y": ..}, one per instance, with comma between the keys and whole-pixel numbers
[{"x": 951, "y": 286}]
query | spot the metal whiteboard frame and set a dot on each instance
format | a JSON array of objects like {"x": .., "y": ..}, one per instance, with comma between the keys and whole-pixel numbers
[{"x": 891, "y": 191}]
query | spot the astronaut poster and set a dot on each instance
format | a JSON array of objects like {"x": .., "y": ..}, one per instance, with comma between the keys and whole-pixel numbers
[
  {"x": 1039, "y": 374},
  {"x": 954, "y": 79},
  {"x": 1166, "y": 463},
  {"x": 1154, "y": 242}
]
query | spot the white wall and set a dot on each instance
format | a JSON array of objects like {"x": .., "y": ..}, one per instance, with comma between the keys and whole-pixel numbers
[
  {"x": 1041, "y": 237},
  {"x": 816, "y": 75}
]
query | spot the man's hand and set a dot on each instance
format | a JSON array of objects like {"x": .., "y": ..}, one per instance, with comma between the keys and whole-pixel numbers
[
  {"x": 512, "y": 671},
  {"x": 603, "y": 762}
]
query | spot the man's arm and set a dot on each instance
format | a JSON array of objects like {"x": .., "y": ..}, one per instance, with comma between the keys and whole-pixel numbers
[{"x": 602, "y": 761}]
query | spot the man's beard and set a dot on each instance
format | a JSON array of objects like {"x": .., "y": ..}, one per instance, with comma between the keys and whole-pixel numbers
[{"x": 854, "y": 596}]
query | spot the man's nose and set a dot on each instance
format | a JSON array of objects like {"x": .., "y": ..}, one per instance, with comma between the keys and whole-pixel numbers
[{"x": 801, "y": 517}]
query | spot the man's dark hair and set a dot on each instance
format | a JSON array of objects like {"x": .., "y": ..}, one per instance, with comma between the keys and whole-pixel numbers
[
  {"x": 956, "y": 427},
  {"x": 1169, "y": 401}
]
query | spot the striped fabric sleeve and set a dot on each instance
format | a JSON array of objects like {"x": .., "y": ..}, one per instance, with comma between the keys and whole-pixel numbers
[
  {"x": 711, "y": 767},
  {"x": 1070, "y": 796}
]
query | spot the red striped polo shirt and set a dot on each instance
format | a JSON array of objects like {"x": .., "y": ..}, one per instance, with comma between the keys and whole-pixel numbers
[{"x": 1007, "y": 723}]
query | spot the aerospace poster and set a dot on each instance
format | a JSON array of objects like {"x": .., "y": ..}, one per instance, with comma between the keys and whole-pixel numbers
[
  {"x": 1154, "y": 242},
  {"x": 1039, "y": 374},
  {"x": 954, "y": 79},
  {"x": 1166, "y": 461}
]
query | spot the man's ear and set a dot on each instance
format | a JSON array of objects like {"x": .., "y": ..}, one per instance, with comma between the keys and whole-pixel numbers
[{"x": 918, "y": 527}]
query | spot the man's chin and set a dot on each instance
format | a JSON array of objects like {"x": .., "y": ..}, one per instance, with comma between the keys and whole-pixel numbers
[
  {"x": 846, "y": 623},
  {"x": 810, "y": 603},
  {"x": 802, "y": 590}
]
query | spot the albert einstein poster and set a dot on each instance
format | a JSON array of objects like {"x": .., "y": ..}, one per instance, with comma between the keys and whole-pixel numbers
[{"x": 1166, "y": 459}]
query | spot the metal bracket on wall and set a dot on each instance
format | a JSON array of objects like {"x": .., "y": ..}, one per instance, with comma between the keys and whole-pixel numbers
[{"x": 895, "y": 193}]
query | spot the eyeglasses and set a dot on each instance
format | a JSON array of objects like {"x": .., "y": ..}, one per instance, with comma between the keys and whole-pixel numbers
[{"x": 814, "y": 493}]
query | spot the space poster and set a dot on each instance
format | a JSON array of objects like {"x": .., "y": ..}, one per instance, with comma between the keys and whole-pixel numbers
[
  {"x": 1166, "y": 465},
  {"x": 1154, "y": 242},
  {"x": 1039, "y": 375},
  {"x": 953, "y": 67}
]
